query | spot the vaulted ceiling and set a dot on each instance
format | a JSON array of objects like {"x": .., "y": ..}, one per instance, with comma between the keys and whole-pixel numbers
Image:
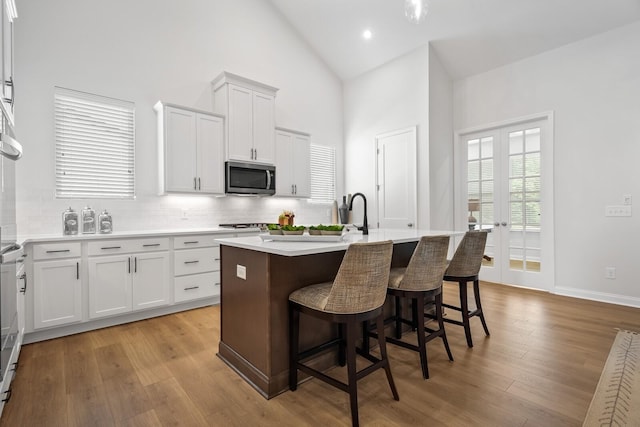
[{"x": 469, "y": 36}]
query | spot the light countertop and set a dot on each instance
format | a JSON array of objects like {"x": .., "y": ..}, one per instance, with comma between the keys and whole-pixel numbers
[
  {"x": 294, "y": 248},
  {"x": 130, "y": 234}
]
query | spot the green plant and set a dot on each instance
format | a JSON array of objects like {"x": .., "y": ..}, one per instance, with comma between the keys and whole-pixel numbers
[
  {"x": 273, "y": 226},
  {"x": 292, "y": 227},
  {"x": 333, "y": 227}
]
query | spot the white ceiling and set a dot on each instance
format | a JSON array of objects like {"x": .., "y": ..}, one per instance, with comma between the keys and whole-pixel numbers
[{"x": 469, "y": 36}]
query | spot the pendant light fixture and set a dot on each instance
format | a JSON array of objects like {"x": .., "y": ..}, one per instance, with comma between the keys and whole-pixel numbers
[{"x": 415, "y": 10}]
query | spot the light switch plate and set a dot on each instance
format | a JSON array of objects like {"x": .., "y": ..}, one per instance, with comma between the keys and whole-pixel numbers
[
  {"x": 620, "y": 210},
  {"x": 241, "y": 271}
]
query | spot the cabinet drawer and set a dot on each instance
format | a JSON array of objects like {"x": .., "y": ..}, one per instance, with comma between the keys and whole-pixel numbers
[
  {"x": 198, "y": 241},
  {"x": 197, "y": 286},
  {"x": 197, "y": 261},
  {"x": 56, "y": 250},
  {"x": 109, "y": 247}
]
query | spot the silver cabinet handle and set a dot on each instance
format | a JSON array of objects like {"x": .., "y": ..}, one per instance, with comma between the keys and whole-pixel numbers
[
  {"x": 195, "y": 186},
  {"x": 504, "y": 223},
  {"x": 191, "y": 288},
  {"x": 111, "y": 247},
  {"x": 199, "y": 186},
  {"x": 9, "y": 147},
  {"x": 216, "y": 259},
  {"x": 410, "y": 224},
  {"x": 59, "y": 251},
  {"x": 191, "y": 262},
  {"x": 193, "y": 242},
  {"x": 216, "y": 284},
  {"x": 497, "y": 224},
  {"x": 150, "y": 245}
]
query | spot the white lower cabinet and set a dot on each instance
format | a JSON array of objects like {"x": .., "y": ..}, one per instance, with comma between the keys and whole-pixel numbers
[
  {"x": 123, "y": 283},
  {"x": 196, "y": 267},
  {"x": 57, "y": 292}
]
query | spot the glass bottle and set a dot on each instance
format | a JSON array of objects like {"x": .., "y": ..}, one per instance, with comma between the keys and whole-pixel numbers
[
  {"x": 88, "y": 220},
  {"x": 69, "y": 222},
  {"x": 105, "y": 223},
  {"x": 344, "y": 211}
]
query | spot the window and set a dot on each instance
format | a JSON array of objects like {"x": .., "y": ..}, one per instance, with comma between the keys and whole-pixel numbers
[
  {"x": 94, "y": 146},
  {"x": 323, "y": 173}
]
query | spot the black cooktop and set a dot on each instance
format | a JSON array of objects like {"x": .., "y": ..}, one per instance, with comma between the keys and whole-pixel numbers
[{"x": 261, "y": 225}]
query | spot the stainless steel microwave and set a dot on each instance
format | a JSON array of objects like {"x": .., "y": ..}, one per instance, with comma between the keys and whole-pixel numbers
[{"x": 250, "y": 178}]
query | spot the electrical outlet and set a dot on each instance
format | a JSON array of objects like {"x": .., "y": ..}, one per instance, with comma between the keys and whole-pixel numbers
[
  {"x": 610, "y": 272},
  {"x": 620, "y": 210},
  {"x": 626, "y": 199},
  {"x": 184, "y": 215},
  {"x": 241, "y": 271}
]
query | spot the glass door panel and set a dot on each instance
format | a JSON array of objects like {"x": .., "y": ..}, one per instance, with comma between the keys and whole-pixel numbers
[{"x": 504, "y": 168}]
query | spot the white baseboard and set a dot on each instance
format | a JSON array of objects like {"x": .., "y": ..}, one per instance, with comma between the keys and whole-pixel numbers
[{"x": 598, "y": 296}]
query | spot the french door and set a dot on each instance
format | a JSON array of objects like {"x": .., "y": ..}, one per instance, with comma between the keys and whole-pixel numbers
[{"x": 506, "y": 187}]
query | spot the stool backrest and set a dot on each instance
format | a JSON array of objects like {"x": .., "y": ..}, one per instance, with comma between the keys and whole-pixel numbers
[
  {"x": 427, "y": 264},
  {"x": 467, "y": 259},
  {"x": 361, "y": 282}
]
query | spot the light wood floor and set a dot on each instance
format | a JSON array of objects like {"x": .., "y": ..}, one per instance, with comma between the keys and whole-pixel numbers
[{"x": 540, "y": 367}]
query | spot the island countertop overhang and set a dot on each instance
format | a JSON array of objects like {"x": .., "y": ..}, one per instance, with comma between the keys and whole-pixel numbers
[{"x": 284, "y": 248}]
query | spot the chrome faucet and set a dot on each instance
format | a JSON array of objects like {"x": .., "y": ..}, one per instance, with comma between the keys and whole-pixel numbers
[{"x": 365, "y": 227}]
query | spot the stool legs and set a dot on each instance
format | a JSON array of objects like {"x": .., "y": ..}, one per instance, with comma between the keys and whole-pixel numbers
[
  {"x": 382, "y": 343},
  {"x": 464, "y": 306},
  {"x": 348, "y": 331},
  {"x": 294, "y": 329},
  {"x": 479, "y": 312}
]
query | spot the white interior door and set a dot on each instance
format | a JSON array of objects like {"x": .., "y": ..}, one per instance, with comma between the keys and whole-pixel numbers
[
  {"x": 508, "y": 190},
  {"x": 396, "y": 179}
]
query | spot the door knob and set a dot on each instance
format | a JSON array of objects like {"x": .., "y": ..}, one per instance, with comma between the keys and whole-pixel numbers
[
  {"x": 497, "y": 224},
  {"x": 504, "y": 224},
  {"x": 410, "y": 224}
]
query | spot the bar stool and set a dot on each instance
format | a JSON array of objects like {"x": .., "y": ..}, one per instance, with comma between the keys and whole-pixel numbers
[
  {"x": 463, "y": 268},
  {"x": 356, "y": 295},
  {"x": 421, "y": 283}
]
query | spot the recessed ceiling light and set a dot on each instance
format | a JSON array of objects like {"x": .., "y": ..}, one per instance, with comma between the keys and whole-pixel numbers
[{"x": 367, "y": 34}]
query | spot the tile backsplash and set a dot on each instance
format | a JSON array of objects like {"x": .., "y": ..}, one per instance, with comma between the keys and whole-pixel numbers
[{"x": 39, "y": 215}]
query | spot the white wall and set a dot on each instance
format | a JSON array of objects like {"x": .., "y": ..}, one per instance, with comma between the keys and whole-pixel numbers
[
  {"x": 391, "y": 97},
  {"x": 593, "y": 87},
  {"x": 440, "y": 145},
  {"x": 149, "y": 50}
]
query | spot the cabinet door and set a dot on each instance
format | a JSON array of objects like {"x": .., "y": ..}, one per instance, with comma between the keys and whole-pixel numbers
[
  {"x": 180, "y": 150},
  {"x": 264, "y": 127},
  {"x": 240, "y": 124},
  {"x": 210, "y": 158},
  {"x": 109, "y": 285},
  {"x": 8, "y": 11},
  {"x": 151, "y": 284},
  {"x": 56, "y": 293},
  {"x": 301, "y": 166},
  {"x": 284, "y": 159}
]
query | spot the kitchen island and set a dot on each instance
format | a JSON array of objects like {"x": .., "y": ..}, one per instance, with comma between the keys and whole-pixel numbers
[{"x": 257, "y": 276}]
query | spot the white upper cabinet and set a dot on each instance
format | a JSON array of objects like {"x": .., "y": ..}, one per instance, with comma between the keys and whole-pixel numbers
[
  {"x": 249, "y": 107},
  {"x": 191, "y": 151},
  {"x": 8, "y": 10},
  {"x": 293, "y": 177}
]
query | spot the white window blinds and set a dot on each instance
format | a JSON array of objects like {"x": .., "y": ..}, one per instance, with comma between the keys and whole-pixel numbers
[
  {"x": 94, "y": 146},
  {"x": 323, "y": 173}
]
